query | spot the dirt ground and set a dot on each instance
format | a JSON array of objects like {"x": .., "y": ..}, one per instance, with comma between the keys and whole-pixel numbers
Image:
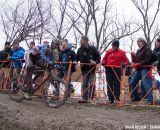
[{"x": 34, "y": 115}]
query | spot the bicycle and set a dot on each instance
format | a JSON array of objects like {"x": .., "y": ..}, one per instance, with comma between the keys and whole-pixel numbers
[{"x": 54, "y": 90}]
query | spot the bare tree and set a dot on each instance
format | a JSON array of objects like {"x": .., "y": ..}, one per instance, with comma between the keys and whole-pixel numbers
[
  {"x": 60, "y": 24},
  {"x": 132, "y": 39},
  {"x": 149, "y": 11},
  {"x": 83, "y": 19},
  {"x": 94, "y": 19},
  {"x": 23, "y": 22},
  {"x": 109, "y": 27}
]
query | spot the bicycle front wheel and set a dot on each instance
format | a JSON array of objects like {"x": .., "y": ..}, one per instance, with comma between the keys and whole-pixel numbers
[
  {"x": 55, "y": 92},
  {"x": 16, "y": 87}
]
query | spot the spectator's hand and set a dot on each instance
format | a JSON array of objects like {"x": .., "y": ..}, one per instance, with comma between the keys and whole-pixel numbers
[
  {"x": 137, "y": 65},
  {"x": 155, "y": 63},
  {"x": 93, "y": 62},
  {"x": 75, "y": 62},
  {"x": 8, "y": 58},
  {"x": 123, "y": 65},
  {"x": 133, "y": 53}
]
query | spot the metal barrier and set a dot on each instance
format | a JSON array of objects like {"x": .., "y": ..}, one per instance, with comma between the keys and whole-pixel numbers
[
  {"x": 99, "y": 84},
  {"x": 7, "y": 72}
]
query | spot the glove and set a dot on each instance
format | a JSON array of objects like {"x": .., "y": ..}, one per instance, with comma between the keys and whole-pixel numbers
[
  {"x": 123, "y": 65},
  {"x": 133, "y": 54},
  {"x": 137, "y": 65},
  {"x": 103, "y": 64},
  {"x": 155, "y": 63},
  {"x": 93, "y": 62}
]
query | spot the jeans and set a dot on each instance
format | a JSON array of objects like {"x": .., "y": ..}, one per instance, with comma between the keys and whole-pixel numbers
[
  {"x": 113, "y": 86},
  {"x": 88, "y": 86},
  {"x": 157, "y": 83},
  {"x": 146, "y": 83},
  {"x": 62, "y": 73}
]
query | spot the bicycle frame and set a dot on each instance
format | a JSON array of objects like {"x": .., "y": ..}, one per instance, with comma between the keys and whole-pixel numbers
[{"x": 40, "y": 86}]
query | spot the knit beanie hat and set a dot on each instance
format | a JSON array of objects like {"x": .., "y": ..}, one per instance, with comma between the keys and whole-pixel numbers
[{"x": 115, "y": 43}]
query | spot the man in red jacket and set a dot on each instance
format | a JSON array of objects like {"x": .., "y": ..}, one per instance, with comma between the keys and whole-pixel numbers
[{"x": 114, "y": 57}]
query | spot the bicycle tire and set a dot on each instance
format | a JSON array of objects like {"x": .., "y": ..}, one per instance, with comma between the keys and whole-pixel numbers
[
  {"x": 16, "y": 86},
  {"x": 50, "y": 97}
]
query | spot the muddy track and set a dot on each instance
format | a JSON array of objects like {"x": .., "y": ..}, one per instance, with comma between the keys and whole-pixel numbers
[{"x": 34, "y": 115}]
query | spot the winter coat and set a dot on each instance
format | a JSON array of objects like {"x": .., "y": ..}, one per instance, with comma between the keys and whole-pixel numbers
[
  {"x": 67, "y": 56},
  {"x": 156, "y": 56},
  {"x": 48, "y": 58},
  {"x": 144, "y": 56},
  {"x": 17, "y": 57},
  {"x": 3, "y": 56},
  {"x": 156, "y": 53},
  {"x": 85, "y": 54},
  {"x": 115, "y": 57}
]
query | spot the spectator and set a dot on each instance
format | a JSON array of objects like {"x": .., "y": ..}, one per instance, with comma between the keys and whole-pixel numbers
[
  {"x": 7, "y": 51},
  {"x": 156, "y": 53},
  {"x": 4, "y": 54},
  {"x": 67, "y": 55},
  {"x": 143, "y": 57},
  {"x": 88, "y": 54},
  {"x": 55, "y": 49},
  {"x": 46, "y": 53},
  {"x": 114, "y": 57},
  {"x": 17, "y": 57}
]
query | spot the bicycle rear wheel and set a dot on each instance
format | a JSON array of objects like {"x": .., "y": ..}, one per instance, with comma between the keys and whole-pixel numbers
[
  {"x": 16, "y": 87},
  {"x": 55, "y": 92}
]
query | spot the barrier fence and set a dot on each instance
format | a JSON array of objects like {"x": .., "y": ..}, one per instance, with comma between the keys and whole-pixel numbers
[{"x": 98, "y": 83}]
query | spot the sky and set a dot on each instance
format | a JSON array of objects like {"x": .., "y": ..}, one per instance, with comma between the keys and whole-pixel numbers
[
  {"x": 121, "y": 5},
  {"x": 125, "y": 7}
]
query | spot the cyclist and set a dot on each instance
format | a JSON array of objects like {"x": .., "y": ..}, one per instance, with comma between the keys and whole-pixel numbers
[{"x": 34, "y": 58}]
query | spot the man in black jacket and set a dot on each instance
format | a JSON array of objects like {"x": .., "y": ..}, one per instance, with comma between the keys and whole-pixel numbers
[
  {"x": 4, "y": 54},
  {"x": 88, "y": 57},
  {"x": 156, "y": 53},
  {"x": 5, "y": 66}
]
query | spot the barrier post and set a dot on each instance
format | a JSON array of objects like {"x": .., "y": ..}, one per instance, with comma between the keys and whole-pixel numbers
[
  {"x": 122, "y": 86},
  {"x": 69, "y": 73}
]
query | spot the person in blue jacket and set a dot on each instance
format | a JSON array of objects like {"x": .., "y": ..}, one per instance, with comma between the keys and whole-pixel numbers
[
  {"x": 17, "y": 57},
  {"x": 46, "y": 53},
  {"x": 67, "y": 55}
]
